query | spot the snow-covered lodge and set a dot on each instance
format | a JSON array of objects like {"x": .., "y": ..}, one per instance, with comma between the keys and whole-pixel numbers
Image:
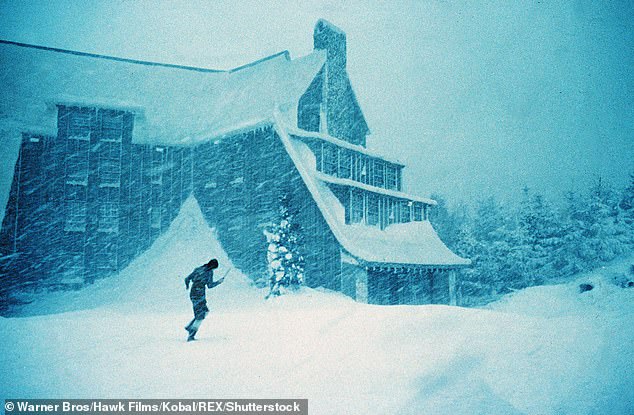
[{"x": 110, "y": 149}]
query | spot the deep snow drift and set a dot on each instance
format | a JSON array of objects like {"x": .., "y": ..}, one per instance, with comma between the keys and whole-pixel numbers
[{"x": 544, "y": 350}]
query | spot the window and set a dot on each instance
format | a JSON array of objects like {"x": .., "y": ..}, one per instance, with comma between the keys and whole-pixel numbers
[
  {"x": 75, "y": 192},
  {"x": 356, "y": 206},
  {"x": 109, "y": 217},
  {"x": 391, "y": 177},
  {"x": 323, "y": 118},
  {"x": 373, "y": 209},
  {"x": 405, "y": 208},
  {"x": 418, "y": 212},
  {"x": 77, "y": 169},
  {"x": 109, "y": 172},
  {"x": 156, "y": 171},
  {"x": 345, "y": 161},
  {"x": 378, "y": 173},
  {"x": 111, "y": 125},
  {"x": 74, "y": 267},
  {"x": 155, "y": 217},
  {"x": 392, "y": 211},
  {"x": 330, "y": 159},
  {"x": 79, "y": 123},
  {"x": 75, "y": 216},
  {"x": 106, "y": 257},
  {"x": 109, "y": 150},
  {"x": 77, "y": 153},
  {"x": 359, "y": 170}
]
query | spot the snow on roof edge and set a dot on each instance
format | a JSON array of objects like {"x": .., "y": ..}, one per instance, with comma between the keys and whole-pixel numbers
[
  {"x": 339, "y": 142},
  {"x": 387, "y": 192},
  {"x": 284, "y": 53}
]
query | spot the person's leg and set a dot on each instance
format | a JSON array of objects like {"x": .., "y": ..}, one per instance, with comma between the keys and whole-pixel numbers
[
  {"x": 189, "y": 325},
  {"x": 200, "y": 312},
  {"x": 192, "y": 330}
]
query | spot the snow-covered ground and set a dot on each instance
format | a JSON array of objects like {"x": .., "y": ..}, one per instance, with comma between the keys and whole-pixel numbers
[{"x": 544, "y": 350}]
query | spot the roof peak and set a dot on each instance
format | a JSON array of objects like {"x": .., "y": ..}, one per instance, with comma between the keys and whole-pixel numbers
[{"x": 284, "y": 53}]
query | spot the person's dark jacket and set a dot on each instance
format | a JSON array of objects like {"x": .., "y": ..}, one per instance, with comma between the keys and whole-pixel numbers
[{"x": 199, "y": 278}]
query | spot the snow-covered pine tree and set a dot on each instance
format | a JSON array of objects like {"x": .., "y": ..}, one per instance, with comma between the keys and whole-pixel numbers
[
  {"x": 284, "y": 252},
  {"x": 491, "y": 231},
  {"x": 541, "y": 235},
  {"x": 627, "y": 208},
  {"x": 602, "y": 234}
]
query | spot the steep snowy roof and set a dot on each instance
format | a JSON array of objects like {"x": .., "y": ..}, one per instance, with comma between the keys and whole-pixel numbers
[
  {"x": 413, "y": 243},
  {"x": 173, "y": 104}
]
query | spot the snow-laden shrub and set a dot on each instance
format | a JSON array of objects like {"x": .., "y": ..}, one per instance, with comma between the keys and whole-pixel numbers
[{"x": 284, "y": 252}]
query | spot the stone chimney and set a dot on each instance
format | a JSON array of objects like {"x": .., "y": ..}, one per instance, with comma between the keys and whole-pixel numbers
[{"x": 329, "y": 37}]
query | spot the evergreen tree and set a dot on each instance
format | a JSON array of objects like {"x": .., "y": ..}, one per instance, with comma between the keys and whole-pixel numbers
[
  {"x": 490, "y": 230},
  {"x": 472, "y": 285},
  {"x": 440, "y": 219},
  {"x": 515, "y": 248},
  {"x": 541, "y": 236},
  {"x": 602, "y": 230},
  {"x": 284, "y": 253},
  {"x": 570, "y": 257},
  {"x": 626, "y": 206}
]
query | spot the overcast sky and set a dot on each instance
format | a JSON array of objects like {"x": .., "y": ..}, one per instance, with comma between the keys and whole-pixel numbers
[{"x": 476, "y": 98}]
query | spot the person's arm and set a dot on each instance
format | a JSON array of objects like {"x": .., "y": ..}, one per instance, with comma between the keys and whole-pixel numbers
[
  {"x": 189, "y": 279},
  {"x": 210, "y": 280},
  {"x": 215, "y": 283}
]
